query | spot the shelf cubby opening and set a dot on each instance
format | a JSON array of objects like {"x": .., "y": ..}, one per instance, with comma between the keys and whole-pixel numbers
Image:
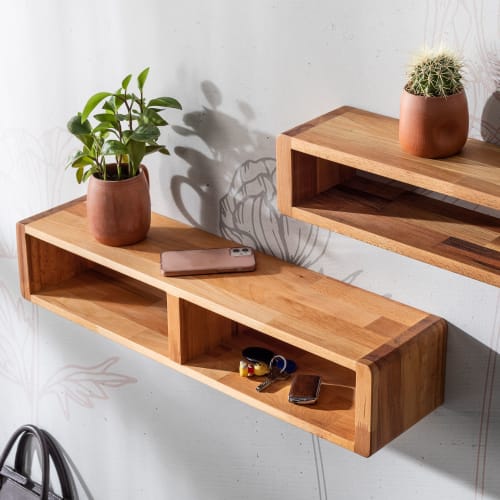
[
  {"x": 105, "y": 301},
  {"x": 333, "y": 416},
  {"x": 397, "y": 216}
]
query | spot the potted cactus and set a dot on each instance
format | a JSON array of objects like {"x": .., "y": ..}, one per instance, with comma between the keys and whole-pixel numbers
[
  {"x": 123, "y": 132},
  {"x": 434, "y": 118}
]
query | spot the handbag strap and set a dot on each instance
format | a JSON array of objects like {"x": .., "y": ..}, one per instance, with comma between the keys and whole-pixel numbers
[
  {"x": 63, "y": 474},
  {"x": 44, "y": 461}
]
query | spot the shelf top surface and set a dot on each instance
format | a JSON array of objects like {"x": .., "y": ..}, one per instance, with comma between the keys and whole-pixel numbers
[
  {"x": 331, "y": 319},
  {"x": 369, "y": 142}
]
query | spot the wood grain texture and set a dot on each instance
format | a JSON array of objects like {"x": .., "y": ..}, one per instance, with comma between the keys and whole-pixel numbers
[
  {"x": 407, "y": 380},
  {"x": 356, "y": 340},
  {"x": 395, "y": 217},
  {"x": 193, "y": 330}
]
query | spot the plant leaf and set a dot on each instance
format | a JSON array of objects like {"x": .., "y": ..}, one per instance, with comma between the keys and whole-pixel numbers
[
  {"x": 153, "y": 148},
  {"x": 109, "y": 105},
  {"x": 136, "y": 152},
  {"x": 106, "y": 118},
  {"x": 125, "y": 82},
  {"x": 113, "y": 147},
  {"x": 152, "y": 116},
  {"x": 88, "y": 173},
  {"x": 81, "y": 160},
  {"x": 146, "y": 133},
  {"x": 103, "y": 129},
  {"x": 79, "y": 175},
  {"x": 165, "y": 102},
  {"x": 78, "y": 127},
  {"x": 141, "y": 79},
  {"x": 92, "y": 103}
]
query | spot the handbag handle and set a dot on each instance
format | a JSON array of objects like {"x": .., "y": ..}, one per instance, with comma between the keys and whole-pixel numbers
[
  {"x": 63, "y": 475},
  {"x": 34, "y": 431},
  {"x": 49, "y": 451}
]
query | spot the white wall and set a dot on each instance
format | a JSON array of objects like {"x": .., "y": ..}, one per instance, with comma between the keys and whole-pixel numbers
[{"x": 244, "y": 71}]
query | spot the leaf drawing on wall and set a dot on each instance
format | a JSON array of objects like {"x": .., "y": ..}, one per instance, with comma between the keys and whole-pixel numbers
[
  {"x": 460, "y": 25},
  {"x": 248, "y": 214},
  {"x": 83, "y": 385},
  {"x": 39, "y": 173},
  {"x": 17, "y": 321},
  {"x": 19, "y": 334}
]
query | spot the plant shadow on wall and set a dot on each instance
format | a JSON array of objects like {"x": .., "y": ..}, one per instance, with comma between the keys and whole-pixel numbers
[
  {"x": 462, "y": 437},
  {"x": 246, "y": 211}
]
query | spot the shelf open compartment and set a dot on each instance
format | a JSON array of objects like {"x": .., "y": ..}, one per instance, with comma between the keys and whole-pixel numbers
[
  {"x": 332, "y": 417},
  {"x": 361, "y": 407},
  {"x": 114, "y": 305},
  {"x": 345, "y": 172}
]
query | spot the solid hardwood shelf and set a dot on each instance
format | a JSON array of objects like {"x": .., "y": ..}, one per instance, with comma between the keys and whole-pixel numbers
[
  {"x": 345, "y": 171},
  {"x": 381, "y": 362}
]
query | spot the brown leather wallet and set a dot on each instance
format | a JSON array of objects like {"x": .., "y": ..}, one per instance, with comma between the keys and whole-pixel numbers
[{"x": 304, "y": 389}]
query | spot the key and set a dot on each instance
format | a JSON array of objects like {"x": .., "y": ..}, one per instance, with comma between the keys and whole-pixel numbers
[{"x": 274, "y": 375}]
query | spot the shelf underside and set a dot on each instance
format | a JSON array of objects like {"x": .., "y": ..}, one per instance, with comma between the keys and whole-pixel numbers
[{"x": 400, "y": 220}]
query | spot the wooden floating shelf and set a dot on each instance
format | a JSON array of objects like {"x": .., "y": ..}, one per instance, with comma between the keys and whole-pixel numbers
[
  {"x": 345, "y": 171},
  {"x": 381, "y": 362}
]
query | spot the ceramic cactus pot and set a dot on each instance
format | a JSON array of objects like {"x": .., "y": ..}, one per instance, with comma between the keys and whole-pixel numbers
[
  {"x": 433, "y": 127},
  {"x": 119, "y": 212}
]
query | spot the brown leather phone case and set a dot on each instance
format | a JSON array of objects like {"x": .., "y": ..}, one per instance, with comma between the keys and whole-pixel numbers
[
  {"x": 207, "y": 261},
  {"x": 304, "y": 389}
]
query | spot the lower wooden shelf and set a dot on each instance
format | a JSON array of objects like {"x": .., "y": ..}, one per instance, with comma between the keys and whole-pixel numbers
[{"x": 381, "y": 362}]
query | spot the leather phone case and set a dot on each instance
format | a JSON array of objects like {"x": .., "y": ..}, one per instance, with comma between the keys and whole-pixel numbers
[{"x": 304, "y": 389}]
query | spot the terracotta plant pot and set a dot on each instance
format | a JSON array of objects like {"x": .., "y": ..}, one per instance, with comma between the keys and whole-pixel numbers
[
  {"x": 433, "y": 127},
  {"x": 119, "y": 212}
]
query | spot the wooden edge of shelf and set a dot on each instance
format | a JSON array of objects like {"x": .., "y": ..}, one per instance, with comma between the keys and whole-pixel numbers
[
  {"x": 319, "y": 119},
  {"x": 430, "y": 325},
  {"x": 268, "y": 408},
  {"x": 22, "y": 246},
  {"x": 108, "y": 333},
  {"x": 427, "y": 257},
  {"x": 413, "y": 363},
  {"x": 22, "y": 260},
  {"x": 284, "y": 197},
  {"x": 58, "y": 208}
]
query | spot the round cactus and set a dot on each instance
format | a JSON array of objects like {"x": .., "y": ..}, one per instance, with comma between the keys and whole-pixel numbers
[{"x": 435, "y": 74}]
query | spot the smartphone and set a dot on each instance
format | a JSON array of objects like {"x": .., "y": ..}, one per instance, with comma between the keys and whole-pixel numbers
[{"x": 207, "y": 261}]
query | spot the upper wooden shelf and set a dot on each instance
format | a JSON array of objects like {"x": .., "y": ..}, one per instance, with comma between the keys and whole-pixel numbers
[
  {"x": 345, "y": 171},
  {"x": 382, "y": 362}
]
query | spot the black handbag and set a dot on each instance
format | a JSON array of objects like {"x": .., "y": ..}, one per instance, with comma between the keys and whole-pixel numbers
[{"x": 16, "y": 483}]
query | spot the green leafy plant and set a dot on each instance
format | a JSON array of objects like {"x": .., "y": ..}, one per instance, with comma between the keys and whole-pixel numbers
[
  {"x": 126, "y": 128},
  {"x": 435, "y": 74}
]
